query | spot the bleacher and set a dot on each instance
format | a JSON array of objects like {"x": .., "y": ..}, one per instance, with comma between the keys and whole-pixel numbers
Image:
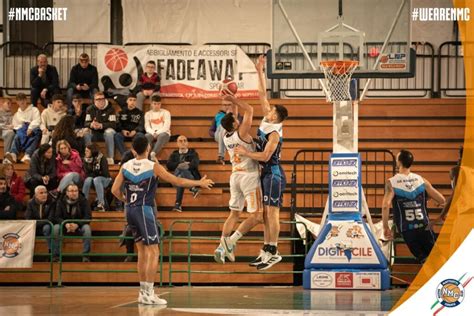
[{"x": 433, "y": 129}]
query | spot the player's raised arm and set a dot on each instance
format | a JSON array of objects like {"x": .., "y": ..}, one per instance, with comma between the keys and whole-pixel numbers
[
  {"x": 117, "y": 185},
  {"x": 262, "y": 85},
  {"x": 386, "y": 205},
  {"x": 246, "y": 125},
  {"x": 266, "y": 154},
  {"x": 181, "y": 182}
]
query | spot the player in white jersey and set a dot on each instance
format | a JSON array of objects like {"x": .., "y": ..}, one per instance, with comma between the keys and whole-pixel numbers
[
  {"x": 140, "y": 177},
  {"x": 244, "y": 181},
  {"x": 407, "y": 194}
]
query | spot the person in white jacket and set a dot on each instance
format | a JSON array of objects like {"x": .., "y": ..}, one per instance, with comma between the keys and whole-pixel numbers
[
  {"x": 26, "y": 123},
  {"x": 51, "y": 116},
  {"x": 157, "y": 126}
]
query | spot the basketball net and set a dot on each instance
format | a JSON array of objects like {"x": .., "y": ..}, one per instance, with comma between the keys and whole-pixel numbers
[{"x": 338, "y": 75}]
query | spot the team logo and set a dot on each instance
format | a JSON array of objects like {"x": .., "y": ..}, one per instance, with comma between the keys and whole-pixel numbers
[
  {"x": 450, "y": 293},
  {"x": 11, "y": 245}
]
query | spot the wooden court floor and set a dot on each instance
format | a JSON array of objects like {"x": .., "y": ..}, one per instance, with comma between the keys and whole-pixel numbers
[{"x": 121, "y": 300}]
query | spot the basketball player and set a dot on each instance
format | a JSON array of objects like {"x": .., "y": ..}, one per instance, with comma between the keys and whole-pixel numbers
[
  {"x": 244, "y": 180},
  {"x": 407, "y": 194},
  {"x": 140, "y": 177},
  {"x": 269, "y": 142}
]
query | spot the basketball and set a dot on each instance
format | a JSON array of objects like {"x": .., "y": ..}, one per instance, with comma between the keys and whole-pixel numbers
[
  {"x": 228, "y": 87},
  {"x": 450, "y": 293},
  {"x": 374, "y": 52},
  {"x": 116, "y": 59}
]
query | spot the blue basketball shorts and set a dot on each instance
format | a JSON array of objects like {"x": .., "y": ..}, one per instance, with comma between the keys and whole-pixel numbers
[
  {"x": 273, "y": 186},
  {"x": 142, "y": 222}
]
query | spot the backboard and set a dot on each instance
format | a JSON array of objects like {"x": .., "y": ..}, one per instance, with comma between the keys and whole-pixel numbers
[{"x": 376, "y": 33}]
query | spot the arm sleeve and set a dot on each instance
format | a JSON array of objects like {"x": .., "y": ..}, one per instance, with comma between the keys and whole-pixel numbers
[
  {"x": 173, "y": 161},
  {"x": 194, "y": 161},
  {"x": 35, "y": 80},
  {"x": 54, "y": 84},
  {"x": 72, "y": 78}
]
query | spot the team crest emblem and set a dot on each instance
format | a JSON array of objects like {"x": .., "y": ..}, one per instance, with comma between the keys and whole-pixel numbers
[
  {"x": 11, "y": 245},
  {"x": 450, "y": 293}
]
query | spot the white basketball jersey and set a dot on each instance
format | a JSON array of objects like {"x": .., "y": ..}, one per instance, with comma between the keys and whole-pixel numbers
[{"x": 240, "y": 163}]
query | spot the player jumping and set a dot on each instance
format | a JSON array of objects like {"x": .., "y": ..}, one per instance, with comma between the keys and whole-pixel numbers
[
  {"x": 406, "y": 193},
  {"x": 140, "y": 177},
  {"x": 269, "y": 142}
]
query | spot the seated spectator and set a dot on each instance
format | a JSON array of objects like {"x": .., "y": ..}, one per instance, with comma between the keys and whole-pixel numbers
[
  {"x": 184, "y": 163},
  {"x": 217, "y": 131},
  {"x": 79, "y": 109},
  {"x": 8, "y": 205},
  {"x": 157, "y": 126},
  {"x": 15, "y": 183},
  {"x": 6, "y": 126},
  {"x": 97, "y": 173},
  {"x": 83, "y": 80},
  {"x": 26, "y": 123},
  {"x": 42, "y": 170},
  {"x": 73, "y": 205},
  {"x": 68, "y": 165},
  {"x": 101, "y": 120},
  {"x": 148, "y": 84},
  {"x": 44, "y": 80},
  {"x": 51, "y": 116},
  {"x": 39, "y": 208},
  {"x": 65, "y": 131},
  {"x": 130, "y": 123}
]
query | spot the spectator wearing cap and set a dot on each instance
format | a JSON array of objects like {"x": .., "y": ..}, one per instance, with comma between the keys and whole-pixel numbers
[
  {"x": 130, "y": 124},
  {"x": 44, "y": 80},
  {"x": 83, "y": 79},
  {"x": 149, "y": 84}
]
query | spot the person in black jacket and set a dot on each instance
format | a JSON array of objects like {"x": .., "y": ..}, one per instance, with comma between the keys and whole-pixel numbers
[
  {"x": 97, "y": 173},
  {"x": 39, "y": 208},
  {"x": 73, "y": 205},
  {"x": 184, "y": 163},
  {"x": 8, "y": 205},
  {"x": 83, "y": 79},
  {"x": 130, "y": 124},
  {"x": 42, "y": 170},
  {"x": 102, "y": 121},
  {"x": 44, "y": 80}
]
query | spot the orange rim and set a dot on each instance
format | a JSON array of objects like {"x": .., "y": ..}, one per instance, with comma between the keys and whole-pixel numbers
[{"x": 339, "y": 67}]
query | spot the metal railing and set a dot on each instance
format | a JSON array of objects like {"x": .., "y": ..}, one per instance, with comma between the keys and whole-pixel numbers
[
  {"x": 189, "y": 237},
  {"x": 451, "y": 74},
  {"x": 63, "y": 238}
]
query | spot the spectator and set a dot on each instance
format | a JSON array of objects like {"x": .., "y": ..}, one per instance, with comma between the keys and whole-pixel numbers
[
  {"x": 65, "y": 131},
  {"x": 97, "y": 173},
  {"x": 79, "y": 113},
  {"x": 157, "y": 126},
  {"x": 83, "y": 80},
  {"x": 44, "y": 81},
  {"x": 217, "y": 131},
  {"x": 6, "y": 127},
  {"x": 68, "y": 165},
  {"x": 42, "y": 169},
  {"x": 102, "y": 121},
  {"x": 130, "y": 123},
  {"x": 184, "y": 163},
  {"x": 15, "y": 184},
  {"x": 51, "y": 116},
  {"x": 148, "y": 83},
  {"x": 8, "y": 205},
  {"x": 39, "y": 208},
  {"x": 26, "y": 122},
  {"x": 72, "y": 205}
]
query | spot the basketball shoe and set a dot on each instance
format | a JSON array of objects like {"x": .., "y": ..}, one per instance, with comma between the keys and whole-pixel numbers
[
  {"x": 219, "y": 254},
  {"x": 229, "y": 248},
  {"x": 150, "y": 298},
  {"x": 269, "y": 260},
  {"x": 257, "y": 260}
]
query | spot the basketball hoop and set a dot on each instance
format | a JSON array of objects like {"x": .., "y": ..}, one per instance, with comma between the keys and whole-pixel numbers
[{"x": 338, "y": 75}]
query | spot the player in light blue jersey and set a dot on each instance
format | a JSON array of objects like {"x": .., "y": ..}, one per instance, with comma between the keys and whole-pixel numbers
[
  {"x": 407, "y": 194},
  {"x": 140, "y": 178}
]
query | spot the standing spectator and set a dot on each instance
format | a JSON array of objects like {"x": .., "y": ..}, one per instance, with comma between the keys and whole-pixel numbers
[
  {"x": 6, "y": 127},
  {"x": 130, "y": 123},
  {"x": 26, "y": 123},
  {"x": 8, "y": 205},
  {"x": 42, "y": 169},
  {"x": 51, "y": 116},
  {"x": 83, "y": 79},
  {"x": 217, "y": 131},
  {"x": 39, "y": 208},
  {"x": 73, "y": 205},
  {"x": 157, "y": 126},
  {"x": 68, "y": 165},
  {"x": 79, "y": 113},
  {"x": 97, "y": 173},
  {"x": 102, "y": 121},
  {"x": 148, "y": 83},
  {"x": 44, "y": 81},
  {"x": 184, "y": 163},
  {"x": 15, "y": 183},
  {"x": 65, "y": 131}
]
